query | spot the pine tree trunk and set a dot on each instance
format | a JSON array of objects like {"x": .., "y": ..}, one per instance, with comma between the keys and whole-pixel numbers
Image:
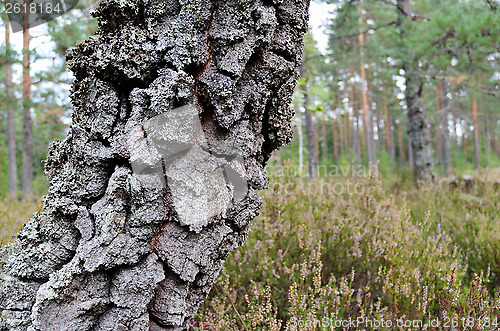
[
  {"x": 301, "y": 136},
  {"x": 388, "y": 132},
  {"x": 445, "y": 130},
  {"x": 438, "y": 129},
  {"x": 367, "y": 109},
  {"x": 177, "y": 108},
  {"x": 356, "y": 132},
  {"x": 475, "y": 134},
  {"x": 27, "y": 171},
  {"x": 324, "y": 145},
  {"x": 11, "y": 129},
  {"x": 342, "y": 139},
  {"x": 421, "y": 150},
  {"x": 402, "y": 158},
  {"x": 316, "y": 141},
  {"x": 312, "y": 165},
  {"x": 454, "y": 116},
  {"x": 336, "y": 139}
]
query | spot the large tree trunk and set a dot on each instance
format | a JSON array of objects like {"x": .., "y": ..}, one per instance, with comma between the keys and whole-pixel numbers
[
  {"x": 418, "y": 130},
  {"x": 27, "y": 171},
  {"x": 177, "y": 108},
  {"x": 312, "y": 157},
  {"x": 11, "y": 130}
]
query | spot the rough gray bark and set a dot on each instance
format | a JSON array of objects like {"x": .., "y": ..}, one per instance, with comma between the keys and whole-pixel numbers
[
  {"x": 11, "y": 131},
  {"x": 418, "y": 129},
  {"x": 108, "y": 251}
]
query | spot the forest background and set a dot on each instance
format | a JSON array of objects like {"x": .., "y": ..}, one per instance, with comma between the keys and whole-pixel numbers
[{"x": 328, "y": 254}]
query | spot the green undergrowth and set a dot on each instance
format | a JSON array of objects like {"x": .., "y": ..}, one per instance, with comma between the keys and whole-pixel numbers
[
  {"x": 331, "y": 250},
  {"x": 319, "y": 255}
]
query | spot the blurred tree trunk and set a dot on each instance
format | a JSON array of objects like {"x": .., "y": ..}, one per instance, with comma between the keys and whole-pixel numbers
[
  {"x": 445, "y": 129},
  {"x": 454, "y": 116},
  {"x": 11, "y": 124},
  {"x": 367, "y": 109},
  {"x": 418, "y": 130},
  {"x": 312, "y": 157},
  {"x": 298, "y": 114},
  {"x": 438, "y": 128},
  {"x": 336, "y": 138},
  {"x": 475, "y": 134},
  {"x": 27, "y": 171},
  {"x": 389, "y": 135},
  {"x": 402, "y": 158},
  {"x": 324, "y": 145},
  {"x": 121, "y": 242},
  {"x": 316, "y": 141},
  {"x": 340, "y": 119},
  {"x": 411, "y": 156},
  {"x": 356, "y": 132}
]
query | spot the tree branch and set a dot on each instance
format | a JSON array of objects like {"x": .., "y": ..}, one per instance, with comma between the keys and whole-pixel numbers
[
  {"x": 375, "y": 28},
  {"x": 493, "y": 6}
]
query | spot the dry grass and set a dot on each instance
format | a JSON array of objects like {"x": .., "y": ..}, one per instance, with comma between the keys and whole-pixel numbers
[{"x": 13, "y": 215}]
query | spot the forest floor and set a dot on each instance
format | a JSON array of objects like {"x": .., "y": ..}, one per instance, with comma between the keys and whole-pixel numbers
[{"x": 332, "y": 250}]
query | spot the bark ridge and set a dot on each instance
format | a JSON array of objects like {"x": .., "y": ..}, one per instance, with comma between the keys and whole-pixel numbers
[{"x": 107, "y": 250}]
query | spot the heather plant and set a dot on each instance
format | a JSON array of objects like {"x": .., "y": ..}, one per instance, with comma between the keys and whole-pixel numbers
[
  {"x": 318, "y": 256},
  {"x": 331, "y": 250}
]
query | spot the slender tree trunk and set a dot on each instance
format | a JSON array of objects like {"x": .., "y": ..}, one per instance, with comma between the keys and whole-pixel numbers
[
  {"x": 336, "y": 139},
  {"x": 154, "y": 186},
  {"x": 475, "y": 133},
  {"x": 367, "y": 109},
  {"x": 411, "y": 155},
  {"x": 340, "y": 121},
  {"x": 445, "y": 129},
  {"x": 356, "y": 132},
  {"x": 301, "y": 136},
  {"x": 342, "y": 125},
  {"x": 324, "y": 145},
  {"x": 454, "y": 117},
  {"x": 11, "y": 128},
  {"x": 27, "y": 171},
  {"x": 388, "y": 131},
  {"x": 438, "y": 128},
  {"x": 486, "y": 137},
  {"x": 312, "y": 166},
  {"x": 466, "y": 147},
  {"x": 417, "y": 121},
  {"x": 400, "y": 143},
  {"x": 316, "y": 140},
  {"x": 393, "y": 138}
]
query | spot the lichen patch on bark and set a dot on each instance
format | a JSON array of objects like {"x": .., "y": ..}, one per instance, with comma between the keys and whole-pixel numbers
[{"x": 108, "y": 251}]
